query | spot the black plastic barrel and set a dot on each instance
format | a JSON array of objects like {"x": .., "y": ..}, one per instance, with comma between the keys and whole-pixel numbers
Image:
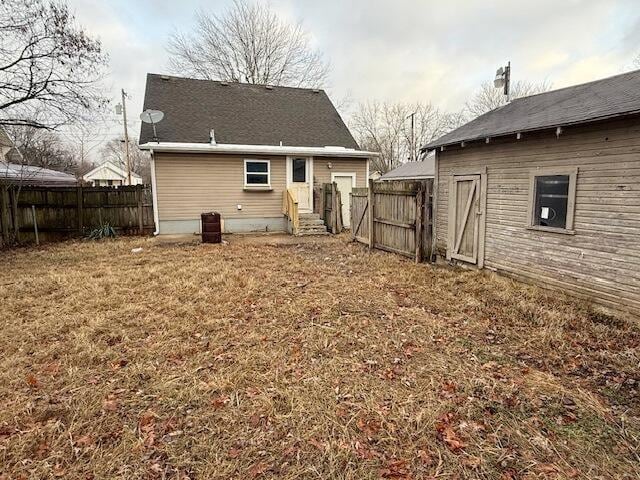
[{"x": 211, "y": 228}]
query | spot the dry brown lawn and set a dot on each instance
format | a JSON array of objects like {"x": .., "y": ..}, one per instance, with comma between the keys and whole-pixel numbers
[{"x": 315, "y": 360}]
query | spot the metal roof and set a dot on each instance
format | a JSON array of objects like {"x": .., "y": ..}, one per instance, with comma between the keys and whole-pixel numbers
[
  {"x": 412, "y": 170},
  {"x": 30, "y": 175},
  {"x": 242, "y": 114},
  {"x": 598, "y": 100}
]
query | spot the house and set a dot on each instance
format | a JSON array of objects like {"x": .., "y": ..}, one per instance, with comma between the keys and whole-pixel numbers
[
  {"x": 420, "y": 170},
  {"x": 243, "y": 150},
  {"x": 19, "y": 174},
  {"x": 8, "y": 151},
  {"x": 110, "y": 174},
  {"x": 375, "y": 175},
  {"x": 546, "y": 189}
]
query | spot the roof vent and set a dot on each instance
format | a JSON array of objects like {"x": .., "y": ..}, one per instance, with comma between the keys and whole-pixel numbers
[
  {"x": 315, "y": 90},
  {"x": 224, "y": 84},
  {"x": 212, "y": 137},
  {"x": 268, "y": 87},
  {"x": 164, "y": 77}
]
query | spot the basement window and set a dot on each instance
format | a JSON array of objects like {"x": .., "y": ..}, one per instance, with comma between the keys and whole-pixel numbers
[
  {"x": 257, "y": 173},
  {"x": 552, "y": 198}
]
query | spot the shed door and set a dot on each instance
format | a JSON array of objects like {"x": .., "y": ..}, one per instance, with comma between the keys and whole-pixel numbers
[{"x": 464, "y": 218}]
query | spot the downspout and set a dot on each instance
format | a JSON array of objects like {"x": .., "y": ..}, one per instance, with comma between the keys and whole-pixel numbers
[{"x": 154, "y": 193}]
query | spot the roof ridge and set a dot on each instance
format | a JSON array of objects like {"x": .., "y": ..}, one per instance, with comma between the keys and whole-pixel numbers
[
  {"x": 240, "y": 84},
  {"x": 568, "y": 87}
]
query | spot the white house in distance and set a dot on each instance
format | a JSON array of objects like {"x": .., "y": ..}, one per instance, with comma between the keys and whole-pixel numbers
[{"x": 110, "y": 174}]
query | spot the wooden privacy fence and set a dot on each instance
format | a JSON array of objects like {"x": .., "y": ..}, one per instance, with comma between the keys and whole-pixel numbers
[
  {"x": 328, "y": 203},
  {"x": 62, "y": 212},
  {"x": 395, "y": 217}
]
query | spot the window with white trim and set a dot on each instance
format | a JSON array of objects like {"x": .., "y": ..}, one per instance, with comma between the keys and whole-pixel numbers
[
  {"x": 257, "y": 173},
  {"x": 552, "y": 199}
]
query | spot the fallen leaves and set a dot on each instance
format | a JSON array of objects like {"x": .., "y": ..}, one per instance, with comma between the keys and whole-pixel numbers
[{"x": 447, "y": 434}]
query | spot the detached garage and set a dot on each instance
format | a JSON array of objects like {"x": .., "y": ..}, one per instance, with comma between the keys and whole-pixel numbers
[{"x": 547, "y": 189}]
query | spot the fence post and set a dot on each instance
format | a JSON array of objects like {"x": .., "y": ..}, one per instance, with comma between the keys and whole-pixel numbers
[
  {"x": 371, "y": 215},
  {"x": 418, "y": 222},
  {"x": 334, "y": 219},
  {"x": 35, "y": 224},
  {"x": 13, "y": 200},
  {"x": 4, "y": 214},
  {"x": 80, "y": 209},
  {"x": 140, "y": 212}
]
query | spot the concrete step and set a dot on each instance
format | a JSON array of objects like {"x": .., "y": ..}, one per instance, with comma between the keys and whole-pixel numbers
[
  {"x": 311, "y": 222},
  {"x": 314, "y": 216},
  {"x": 312, "y": 230}
]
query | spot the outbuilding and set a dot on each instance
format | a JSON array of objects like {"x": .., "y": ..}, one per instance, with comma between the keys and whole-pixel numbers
[{"x": 547, "y": 189}]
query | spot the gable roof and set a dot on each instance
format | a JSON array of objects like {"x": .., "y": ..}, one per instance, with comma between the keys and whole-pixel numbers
[
  {"x": 598, "y": 100},
  {"x": 412, "y": 170},
  {"x": 243, "y": 114},
  {"x": 110, "y": 166}
]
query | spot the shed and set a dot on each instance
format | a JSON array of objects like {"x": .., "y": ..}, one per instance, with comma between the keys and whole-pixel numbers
[{"x": 546, "y": 189}]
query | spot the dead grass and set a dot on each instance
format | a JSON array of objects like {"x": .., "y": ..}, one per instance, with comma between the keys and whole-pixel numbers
[{"x": 316, "y": 360}]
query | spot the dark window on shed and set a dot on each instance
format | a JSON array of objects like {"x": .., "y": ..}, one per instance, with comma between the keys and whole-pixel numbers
[{"x": 552, "y": 198}]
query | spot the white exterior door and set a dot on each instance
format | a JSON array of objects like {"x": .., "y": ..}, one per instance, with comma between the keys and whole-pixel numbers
[
  {"x": 345, "y": 183},
  {"x": 299, "y": 174}
]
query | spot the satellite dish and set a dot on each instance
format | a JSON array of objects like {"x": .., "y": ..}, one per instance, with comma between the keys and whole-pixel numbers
[{"x": 151, "y": 116}]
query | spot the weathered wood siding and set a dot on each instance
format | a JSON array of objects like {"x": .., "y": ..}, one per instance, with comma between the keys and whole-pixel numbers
[{"x": 601, "y": 262}]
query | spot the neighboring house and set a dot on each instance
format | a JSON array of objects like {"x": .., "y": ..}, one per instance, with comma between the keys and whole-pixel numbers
[
  {"x": 18, "y": 174},
  {"x": 421, "y": 170},
  {"x": 547, "y": 189},
  {"x": 238, "y": 148},
  {"x": 8, "y": 151},
  {"x": 110, "y": 174}
]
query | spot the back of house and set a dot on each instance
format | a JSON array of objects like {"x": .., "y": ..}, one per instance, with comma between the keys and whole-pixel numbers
[
  {"x": 238, "y": 149},
  {"x": 547, "y": 189}
]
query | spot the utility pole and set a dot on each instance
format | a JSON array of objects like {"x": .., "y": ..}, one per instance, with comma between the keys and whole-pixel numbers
[
  {"x": 126, "y": 135},
  {"x": 412, "y": 157}
]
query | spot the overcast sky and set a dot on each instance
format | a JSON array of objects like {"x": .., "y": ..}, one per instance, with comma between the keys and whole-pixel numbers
[{"x": 396, "y": 50}]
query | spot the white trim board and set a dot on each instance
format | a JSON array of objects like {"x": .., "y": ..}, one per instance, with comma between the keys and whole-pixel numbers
[{"x": 258, "y": 149}]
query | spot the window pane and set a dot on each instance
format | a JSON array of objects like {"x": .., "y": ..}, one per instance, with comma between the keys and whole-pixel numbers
[
  {"x": 257, "y": 178},
  {"x": 299, "y": 170},
  {"x": 257, "y": 167},
  {"x": 552, "y": 195}
]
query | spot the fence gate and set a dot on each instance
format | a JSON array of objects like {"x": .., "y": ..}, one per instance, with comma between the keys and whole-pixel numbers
[{"x": 395, "y": 217}]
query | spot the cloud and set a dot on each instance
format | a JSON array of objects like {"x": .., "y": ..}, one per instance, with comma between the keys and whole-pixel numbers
[{"x": 400, "y": 50}]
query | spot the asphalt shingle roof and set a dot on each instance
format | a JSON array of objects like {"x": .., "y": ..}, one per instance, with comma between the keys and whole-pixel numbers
[
  {"x": 242, "y": 114},
  {"x": 598, "y": 100}
]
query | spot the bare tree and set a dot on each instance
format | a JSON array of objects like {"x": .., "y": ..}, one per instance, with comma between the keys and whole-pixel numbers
[
  {"x": 42, "y": 149},
  {"x": 386, "y": 128},
  {"x": 50, "y": 68},
  {"x": 248, "y": 44},
  {"x": 489, "y": 98}
]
